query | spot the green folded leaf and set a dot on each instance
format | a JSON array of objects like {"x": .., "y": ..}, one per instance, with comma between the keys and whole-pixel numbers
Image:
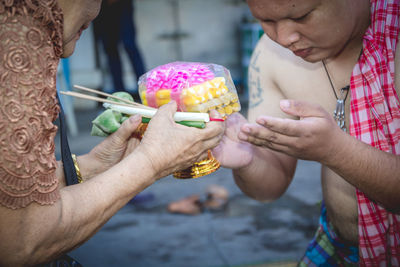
[
  {"x": 123, "y": 95},
  {"x": 96, "y": 131},
  {"x": 197, "y": 124},
  {"x": 123, "y": 118},
  {"x": 108, "y": 121}
]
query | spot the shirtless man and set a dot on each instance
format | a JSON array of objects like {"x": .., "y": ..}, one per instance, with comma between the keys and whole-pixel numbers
[{"x": 291, "y": 113}]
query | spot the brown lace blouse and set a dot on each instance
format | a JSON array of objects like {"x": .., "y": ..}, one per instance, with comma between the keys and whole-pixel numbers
[{"x": 30, "y": 48}]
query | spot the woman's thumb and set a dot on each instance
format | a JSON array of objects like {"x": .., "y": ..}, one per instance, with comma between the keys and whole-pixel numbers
[
  {"x": 169, "y": 109},
  {"x": 128, "y": 127}
]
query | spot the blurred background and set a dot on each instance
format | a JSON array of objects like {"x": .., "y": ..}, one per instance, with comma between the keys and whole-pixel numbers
[{"x": 141, "y": 35}]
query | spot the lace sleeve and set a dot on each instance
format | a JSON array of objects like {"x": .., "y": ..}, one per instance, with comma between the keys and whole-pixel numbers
[{"x": 30, "y": 46}]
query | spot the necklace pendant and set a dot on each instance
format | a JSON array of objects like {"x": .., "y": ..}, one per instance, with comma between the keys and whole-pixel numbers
[{"x": 338, "y": 114}]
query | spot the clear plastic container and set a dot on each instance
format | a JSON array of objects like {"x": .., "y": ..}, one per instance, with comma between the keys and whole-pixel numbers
[{"x": 196, "y": 87}]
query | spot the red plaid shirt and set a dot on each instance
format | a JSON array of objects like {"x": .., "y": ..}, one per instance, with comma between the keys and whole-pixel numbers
[{"x": 375, "y": 120}]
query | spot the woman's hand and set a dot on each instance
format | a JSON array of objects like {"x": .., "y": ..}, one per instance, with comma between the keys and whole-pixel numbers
[
  {"x": 170, "y": 147},
  {"x": 233, "y": 153},
  {"x": 114, "y": 148},
  {"x": 315, "y": 136}
]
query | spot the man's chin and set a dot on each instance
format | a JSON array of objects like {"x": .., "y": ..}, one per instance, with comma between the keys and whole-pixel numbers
[
  {"x": 319, "y": 55},
  {"x": 313, "y": 58}
]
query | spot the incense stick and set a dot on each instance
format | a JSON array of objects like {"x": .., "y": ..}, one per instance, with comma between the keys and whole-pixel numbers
[
  {"x": 94, "y": 98},
  {"x": 132, "y": 110},
  {"x": 112, "y": 96}
]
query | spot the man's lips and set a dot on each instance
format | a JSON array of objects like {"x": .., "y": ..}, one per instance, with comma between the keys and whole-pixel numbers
[{"x": 302, "y": 52}]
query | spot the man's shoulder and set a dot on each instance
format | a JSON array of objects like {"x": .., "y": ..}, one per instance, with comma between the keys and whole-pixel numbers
[
  {"x": 273, "y": 57},
  {"x": 274, "y": 64},
  {"x": 267, "y": 46}
]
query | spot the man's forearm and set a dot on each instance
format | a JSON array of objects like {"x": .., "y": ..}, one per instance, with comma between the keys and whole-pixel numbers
[
  {"x": 374, "y": 172},
  {"x": 40, "y": 233},
  {"x": 267, "y": 176}
]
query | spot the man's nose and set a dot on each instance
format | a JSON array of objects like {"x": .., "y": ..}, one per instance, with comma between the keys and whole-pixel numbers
[{"x": 286, "y": 33}]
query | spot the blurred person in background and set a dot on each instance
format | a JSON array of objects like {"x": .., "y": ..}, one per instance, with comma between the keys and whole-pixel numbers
[
  {"x": 114, "y": 25},
  {"x": 316, "y": 57},
  {"x": 41, "y": 218}
]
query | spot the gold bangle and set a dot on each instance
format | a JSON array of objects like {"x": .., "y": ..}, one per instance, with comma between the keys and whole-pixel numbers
[{"x": 78, "y": 171}]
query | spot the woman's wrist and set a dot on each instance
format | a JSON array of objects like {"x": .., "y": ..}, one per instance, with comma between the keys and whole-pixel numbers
[
  {"x": 138, "y": 166},
  {"x": 139, "y": 156},
  {"x": 87, "y": 167}
]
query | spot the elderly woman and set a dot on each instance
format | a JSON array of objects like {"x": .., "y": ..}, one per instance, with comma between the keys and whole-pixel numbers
[{"x": 40, "y": 217}]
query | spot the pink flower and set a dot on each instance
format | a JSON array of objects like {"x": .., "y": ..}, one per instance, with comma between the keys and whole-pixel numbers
[{"x": 177, "y": 76}]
